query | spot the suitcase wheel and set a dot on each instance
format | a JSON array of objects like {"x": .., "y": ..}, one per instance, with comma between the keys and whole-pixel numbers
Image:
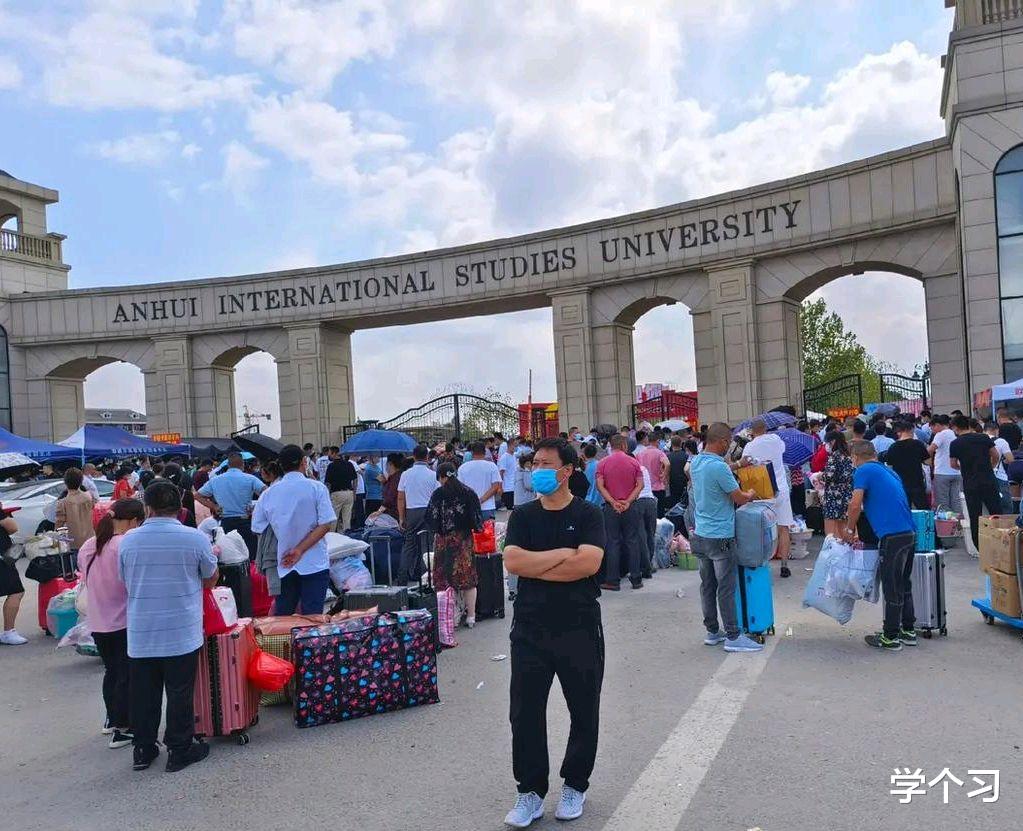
[
  {"x": 770, "y": 631},
  {"x": 988, "y": 619},
  {"x": 944, "y": 632},
  {"x": 501, "y": 614},
  {"x": 243, "y": 738},
  {"x": 927, "y": 633},
  {"x": 758, "y": 637}
]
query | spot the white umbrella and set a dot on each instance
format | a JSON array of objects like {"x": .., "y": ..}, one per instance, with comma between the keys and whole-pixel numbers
[
  {"x": 674, "y": 424},
  {"x": 11, "y": 463}
]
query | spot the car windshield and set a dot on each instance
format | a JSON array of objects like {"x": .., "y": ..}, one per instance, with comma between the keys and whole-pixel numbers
[{"x": 24, "y": 490}]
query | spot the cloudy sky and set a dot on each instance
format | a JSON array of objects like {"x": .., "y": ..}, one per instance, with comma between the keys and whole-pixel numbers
[{"x": 193, "y": 138}]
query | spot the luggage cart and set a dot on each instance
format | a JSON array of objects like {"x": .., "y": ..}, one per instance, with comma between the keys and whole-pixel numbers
[{"x": 987, "y": 611}]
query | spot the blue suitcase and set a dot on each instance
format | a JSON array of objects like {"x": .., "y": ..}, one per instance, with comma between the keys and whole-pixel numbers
[
  {"x": 754, "y": 602},
  {"x": 923, "y": 522}
]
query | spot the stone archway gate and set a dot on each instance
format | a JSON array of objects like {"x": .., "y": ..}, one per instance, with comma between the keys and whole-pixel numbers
[{"x": 740, "y": 262}]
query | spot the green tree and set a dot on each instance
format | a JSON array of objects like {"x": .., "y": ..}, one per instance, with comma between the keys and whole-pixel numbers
[{"x": 830, "y": 351}]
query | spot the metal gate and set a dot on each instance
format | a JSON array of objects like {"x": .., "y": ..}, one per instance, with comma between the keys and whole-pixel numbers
[
  {"x": 836, "y": 398},
  {"x": 667, "y": 405},
  {"x": 460, "y": 416},
  {"x": 911, "y": 393}
]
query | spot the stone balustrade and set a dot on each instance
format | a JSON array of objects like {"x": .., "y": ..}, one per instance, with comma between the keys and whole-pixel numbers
[{"x": 47, "y": 249}]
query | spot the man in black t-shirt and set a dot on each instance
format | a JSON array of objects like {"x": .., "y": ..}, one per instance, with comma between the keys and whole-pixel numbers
[
  {"x": 677, "y": 458},
  {"x": 340, "y": 480},
  {"x": 907, "y": 457},
  {"x": 1009, "y": 430},
  {"x": 975, "y": 456},
  {"x": 555, "y": 545}
]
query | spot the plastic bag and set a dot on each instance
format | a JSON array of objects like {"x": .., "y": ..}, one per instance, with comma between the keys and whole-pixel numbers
[
  {"x": 340, "y": 546},
  {"x": 853, "y": 575},
  {"x": 79, "y": 637},
  {"x": 232, "y": 548},
  {"x": 485, "y": 541},
  {"x": 382, "y": 521},
  {"x": 268, "y": 672},
  {"x": 663, "y": 535},
  {"x": 349, "y": 574},
  {"x": 447, "y": 614},
  {"x": 756, "y": 533},
  {"x": 212, "y": 618},
  {"x": 227, "y": 604},
  {"x": 40, "y": 546},
  {"x": 840, "y": 608}
]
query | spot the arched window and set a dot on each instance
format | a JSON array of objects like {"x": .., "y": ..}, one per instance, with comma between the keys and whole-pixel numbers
[
  {"x": 5, "y": 382},
  {"x": 1009, "y": 222}
]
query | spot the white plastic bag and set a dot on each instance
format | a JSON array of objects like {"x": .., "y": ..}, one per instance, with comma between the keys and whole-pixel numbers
[
  {"x": 349, "y": 574},
  {"x": 340, "y": 546},
  {"x": 840, "y": 608},
  {"x": 79, "y": 637},
  {"x": 382, "y": 521},
  {"x": 663, "y": 534},
  {"x": 40, "y": 546},
  {"x": 225, "y": 602},
  {"x": 232, "y": 548},
  {"x": 853, "y": 574}
]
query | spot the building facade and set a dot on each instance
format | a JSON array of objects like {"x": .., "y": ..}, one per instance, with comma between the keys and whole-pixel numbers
[{"x": 948, "y": 212}]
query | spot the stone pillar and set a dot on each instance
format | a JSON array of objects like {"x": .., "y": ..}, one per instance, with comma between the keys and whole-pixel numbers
[
  {"x": 67, "y": 406},
  {"x": 726, "y": 349},
  {"x": 316, "y": 387},
  {"x": 614, "y": 375},
  {"x": 946, "y": 342},
  {"x": 213, "y": 401},
  {"x": 573, "y": 358},
  {"x": 778, "y": 347},
  {"x": 168, "y": 382}
]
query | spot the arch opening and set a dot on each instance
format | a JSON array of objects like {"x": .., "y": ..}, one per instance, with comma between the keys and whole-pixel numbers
[
  {"x": 98, "y": 390},
  {"x": 246, "y": 391},
  {"x": 663, "y": 352}
]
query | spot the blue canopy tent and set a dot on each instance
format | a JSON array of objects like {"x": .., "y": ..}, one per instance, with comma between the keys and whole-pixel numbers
[
  {"x": 94, "y": 442},
  {"x": 40, "y": 451}
]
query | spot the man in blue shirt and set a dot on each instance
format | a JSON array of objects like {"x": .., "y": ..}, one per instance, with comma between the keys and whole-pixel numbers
[
  {"x": 878, "y": 492},
  {"x": 229, "y": 496},
  {"x": 299, "y": 511},
  {"x": 716, "y": 494},
  {"x": 165, "y": 566}
]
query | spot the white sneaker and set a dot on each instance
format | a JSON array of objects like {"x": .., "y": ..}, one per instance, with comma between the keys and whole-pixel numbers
[
  {"x": 571, "y": 804},
  {"x": 528, "y": 807},
  {"x": 12, "y": 638},
  {"x": 470, "y": 622}
]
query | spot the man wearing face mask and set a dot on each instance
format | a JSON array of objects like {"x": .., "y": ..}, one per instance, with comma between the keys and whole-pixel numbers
[{"x": 555, "y": 545}]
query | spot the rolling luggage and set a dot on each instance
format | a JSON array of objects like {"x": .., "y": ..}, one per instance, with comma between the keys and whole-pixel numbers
[
  {"x": 384, "y": 553},
  {"x": 425, "y": 597},
  {"x": 815, "y": 519},
  {"x": 756, "y": 534},
  {"x": 928, "y": 583},
  {"x": 489, "y": 586},
  {"x": 238, "y": 579},
  {"x": 47, "y": 591},
  {"x": 261, "y": 600},
  {"x": 226, "y": 703},
  {"x": 754, "y": 601},
  {"x": 364, "y": 666},
  {"x": 386, "y": 598}
]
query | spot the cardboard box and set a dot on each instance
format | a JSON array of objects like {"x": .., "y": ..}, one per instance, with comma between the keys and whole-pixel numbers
[
  {"x": 998, "y": 549},
  {"x": 997, "y": 521},
  {"x": 1005, "y": 593}
]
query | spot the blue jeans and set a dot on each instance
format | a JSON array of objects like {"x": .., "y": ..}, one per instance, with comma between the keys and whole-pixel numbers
[{"x": 309, "y": 589}]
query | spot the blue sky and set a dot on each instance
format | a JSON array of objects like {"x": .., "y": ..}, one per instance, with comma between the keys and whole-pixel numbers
[{"x": 191, "y": 138}]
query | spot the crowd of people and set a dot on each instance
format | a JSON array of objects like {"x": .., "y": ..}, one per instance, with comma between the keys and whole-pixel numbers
[{"x": 583, "y": 512}]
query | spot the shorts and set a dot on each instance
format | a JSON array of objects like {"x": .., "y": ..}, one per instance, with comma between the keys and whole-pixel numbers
[
  {"x": 10, "y": 580},
  {"x": 783, "y": 509}
]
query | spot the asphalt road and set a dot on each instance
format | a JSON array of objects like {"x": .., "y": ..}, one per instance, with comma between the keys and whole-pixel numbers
[{"x": 801, "y": 739}]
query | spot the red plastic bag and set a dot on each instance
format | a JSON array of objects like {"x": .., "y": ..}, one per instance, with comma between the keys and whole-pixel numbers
[
  {"x": 212, "y": 619},
  {"x": 261, "y": 600},
  {"x": 485, "y": 541},
  {"x": 268, "y": 672}
]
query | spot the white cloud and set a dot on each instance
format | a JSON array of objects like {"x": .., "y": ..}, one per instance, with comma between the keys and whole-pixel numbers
[
  {"x": 190, "y": 151},
  {"x": 139, "y": 149},
  {"x": 784, "y": 89},
  {"x": 241, "y": 169},
  {"x": 10, "y": 73},
  {"x": 309, "y": 45}
]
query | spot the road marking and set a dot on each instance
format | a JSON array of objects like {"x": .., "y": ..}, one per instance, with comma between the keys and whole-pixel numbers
[{"x": 663, "y": 791}]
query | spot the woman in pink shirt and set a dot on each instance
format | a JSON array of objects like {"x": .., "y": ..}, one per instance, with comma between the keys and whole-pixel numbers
[{"x": 106, "y": 608}]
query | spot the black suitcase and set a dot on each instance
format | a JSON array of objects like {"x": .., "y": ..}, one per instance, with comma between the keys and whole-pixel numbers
[
  {"x": 386, "y": 598},
  {"x": 237, "y": 579},
  {"x": 425, "y": 597},
  {"x": 815, "y": 518},
  {"x": 489, "y": 586}
]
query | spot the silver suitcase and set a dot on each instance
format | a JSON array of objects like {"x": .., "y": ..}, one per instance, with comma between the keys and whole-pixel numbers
[{"x": 929, "y": 592}]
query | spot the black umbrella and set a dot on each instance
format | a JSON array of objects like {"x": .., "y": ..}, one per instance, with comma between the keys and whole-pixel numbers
[{"x": 262, "y": 447}]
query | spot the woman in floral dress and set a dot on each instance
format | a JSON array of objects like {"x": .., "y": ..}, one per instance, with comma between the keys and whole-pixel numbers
[
  {"x": 838, "y": 483},
  {"x": 453, "y": 514}
]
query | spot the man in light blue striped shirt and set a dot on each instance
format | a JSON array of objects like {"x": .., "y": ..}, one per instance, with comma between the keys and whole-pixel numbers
[{"x": 165, "y": 566}]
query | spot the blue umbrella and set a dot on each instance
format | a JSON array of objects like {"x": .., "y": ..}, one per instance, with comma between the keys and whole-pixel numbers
[
  {"x": 379, "y": 441},
  {"x": 773, "y": 420},
  {"x": 799, "y": 447},
  {"x": 246, "y": 457}
]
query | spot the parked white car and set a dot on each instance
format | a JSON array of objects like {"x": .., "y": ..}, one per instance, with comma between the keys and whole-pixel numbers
[{"x": 33, "y": 497}]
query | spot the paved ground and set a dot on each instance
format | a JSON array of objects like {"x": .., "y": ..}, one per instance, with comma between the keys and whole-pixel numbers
[{"x": 800, "y": 739}]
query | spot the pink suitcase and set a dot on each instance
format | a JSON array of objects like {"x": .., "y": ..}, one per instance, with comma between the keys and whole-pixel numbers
[{"x": 226, "y": 703}]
